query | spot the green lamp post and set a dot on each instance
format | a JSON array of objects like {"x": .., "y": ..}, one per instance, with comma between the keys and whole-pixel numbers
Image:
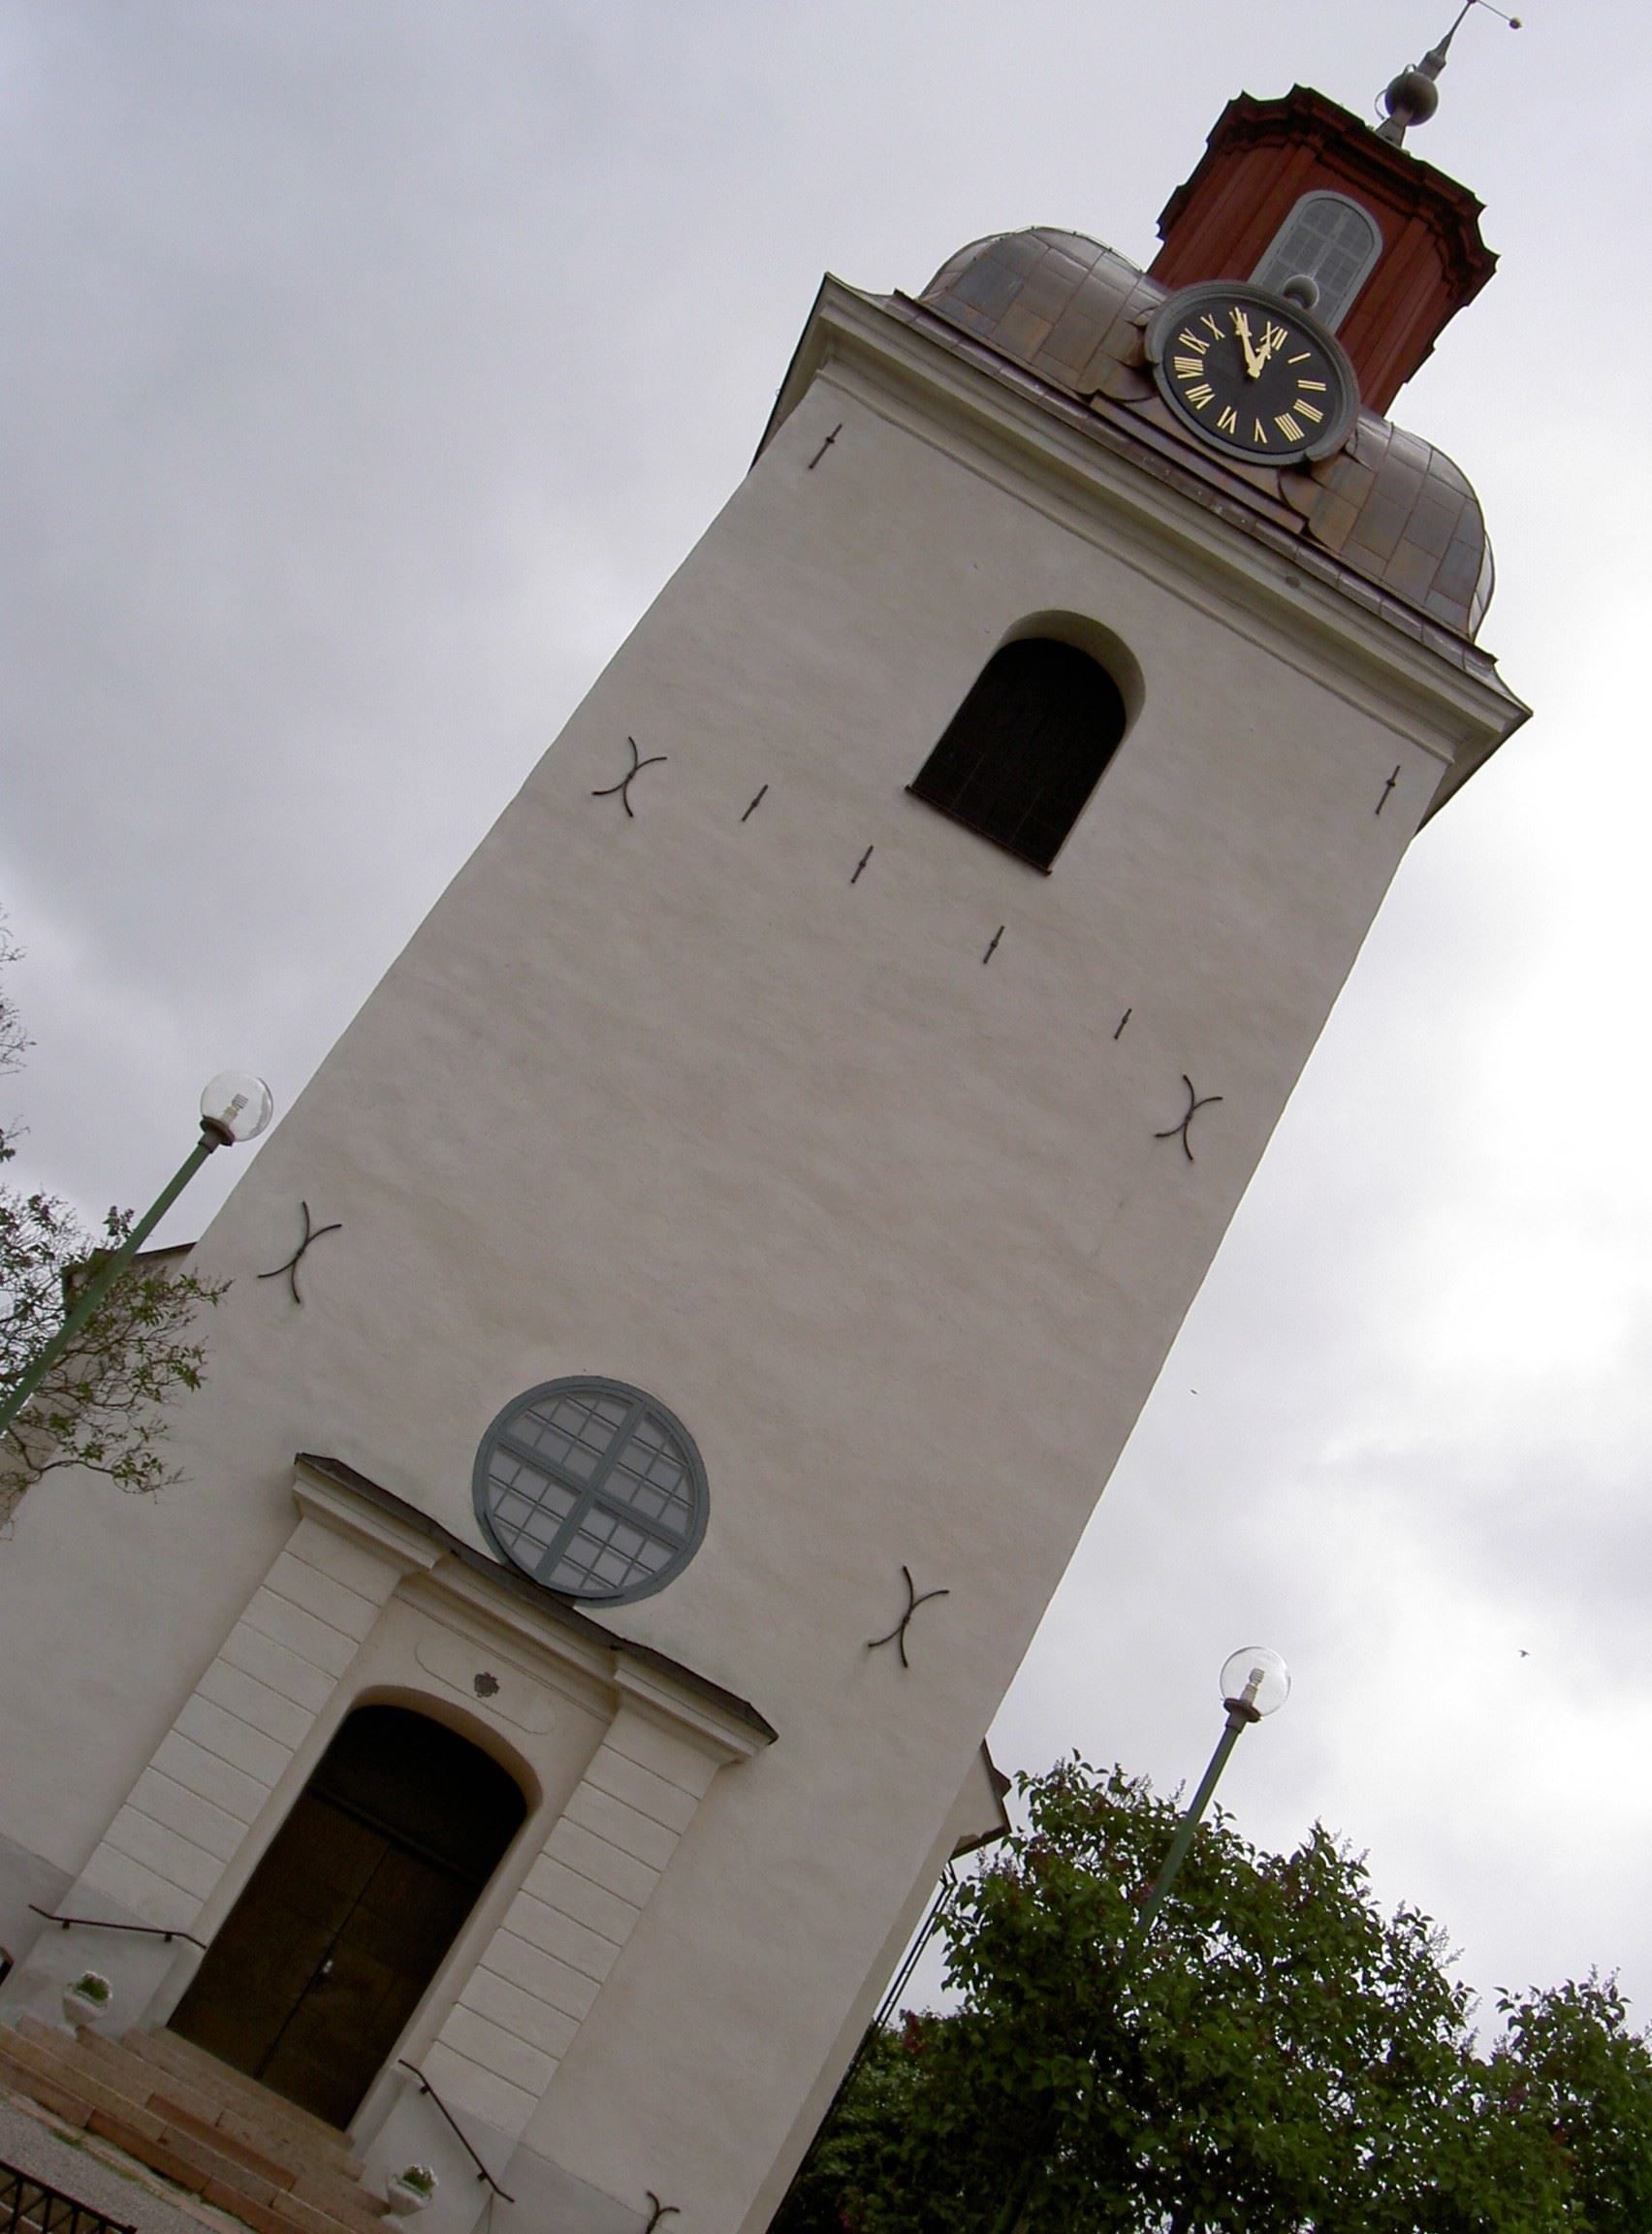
[
  {"x": 235, "y": 1107},
  {"x": 1255, "y": 1682}
]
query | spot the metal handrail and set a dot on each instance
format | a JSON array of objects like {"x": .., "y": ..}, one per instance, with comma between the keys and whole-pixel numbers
[
  {"x": 482, "y": 2171},
  {"x": 27, "y": 2207},
  {"x": 107, "y": 1923}
]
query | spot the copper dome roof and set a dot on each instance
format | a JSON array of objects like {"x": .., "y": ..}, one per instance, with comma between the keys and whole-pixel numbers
[{"x": 1393, "y": 512}]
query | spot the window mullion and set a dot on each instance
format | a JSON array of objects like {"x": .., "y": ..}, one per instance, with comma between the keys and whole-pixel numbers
[
  {"x": 565, "y": 1533},
  {"x": 617, "y": 1446}
]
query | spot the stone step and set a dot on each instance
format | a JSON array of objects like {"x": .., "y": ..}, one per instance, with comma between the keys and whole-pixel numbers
[
  {"x": 263, "y": 2218},
  {"x": 178, "y": 2156},
  {"x": 235, "y": 2089},
  {"x": 97, "y": 2064},
  {"x": 216, "y": 2136},
  {"x": 331, "y": 2159},
  {"x": 200, "y": 2169},
  {"x": 208, "y": 2130},
  {"x": 102, "y": 2072},
  {"x": 312, "y": 2198},
  {"x": 357, "y": 2214},
  {"x": 50, "y": 2063},
  {"x": 66, "y": 2105},
  {"x": 282, "y": 2216},
  {"x": 258, "y": 2109}
]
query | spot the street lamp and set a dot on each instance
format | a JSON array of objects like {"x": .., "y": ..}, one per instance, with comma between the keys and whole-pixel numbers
[
  {"x": 1255, "y": 1682},
  {"x": 235, "y": 1107}
]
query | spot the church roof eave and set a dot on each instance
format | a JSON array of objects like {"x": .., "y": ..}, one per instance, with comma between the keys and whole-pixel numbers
[
  {"x": 1394, "y": 510},
  {"x": 1241, "y": 499}
]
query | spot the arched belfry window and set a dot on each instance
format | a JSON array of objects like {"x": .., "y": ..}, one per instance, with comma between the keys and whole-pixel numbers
[
  {"x": 1027, "y": 747},
  {"x": 1330, "y": 239}
]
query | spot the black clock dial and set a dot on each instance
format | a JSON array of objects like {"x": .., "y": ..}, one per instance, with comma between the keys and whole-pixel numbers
[{"x": 1251, "y": 375}]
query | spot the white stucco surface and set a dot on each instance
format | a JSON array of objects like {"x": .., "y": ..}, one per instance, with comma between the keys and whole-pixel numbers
[{"x": 893, "y": 1232}]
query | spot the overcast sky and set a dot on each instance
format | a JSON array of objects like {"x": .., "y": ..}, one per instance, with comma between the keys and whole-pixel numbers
[{"x": 367, "y": 367}]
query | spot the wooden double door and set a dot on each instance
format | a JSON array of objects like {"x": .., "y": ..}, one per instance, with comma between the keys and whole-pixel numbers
[{"x": 347, "y": 1918}]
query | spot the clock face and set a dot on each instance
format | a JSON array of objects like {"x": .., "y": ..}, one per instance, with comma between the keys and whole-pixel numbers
[{"x": 1251, "y": 375}]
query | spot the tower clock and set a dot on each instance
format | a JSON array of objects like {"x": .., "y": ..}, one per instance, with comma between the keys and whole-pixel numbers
[{"x": 1252, "y": 374}]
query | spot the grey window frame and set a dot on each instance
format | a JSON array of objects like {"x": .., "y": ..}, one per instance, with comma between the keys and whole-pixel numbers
[
  {"x": 587, "y": 1492},
  {"x": 1328, "y": 315}
]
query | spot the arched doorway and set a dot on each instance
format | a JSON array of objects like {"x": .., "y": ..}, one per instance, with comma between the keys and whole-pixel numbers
[{"x": 342, "y": 1926}]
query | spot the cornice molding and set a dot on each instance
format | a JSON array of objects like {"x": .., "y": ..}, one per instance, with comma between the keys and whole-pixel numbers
[
  {"x": 515, "y": 1608},
  {"x": 1188, "y": 540}
]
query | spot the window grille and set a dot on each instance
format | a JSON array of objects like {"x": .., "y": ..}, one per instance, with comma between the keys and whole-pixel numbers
[
  {"x": 1024, "y": 752},
  {"x": 592, "y": 1488},
  {"x": 1331, "y": 240}
]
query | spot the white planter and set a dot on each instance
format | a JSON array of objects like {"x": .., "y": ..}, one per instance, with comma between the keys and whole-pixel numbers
[
  {"x": 405, "y": 2199},
  {"x": 84, "y": 2008}
]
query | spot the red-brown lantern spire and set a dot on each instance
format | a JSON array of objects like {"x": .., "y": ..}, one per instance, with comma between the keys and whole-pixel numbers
[{"x": 1234, "y": 216}]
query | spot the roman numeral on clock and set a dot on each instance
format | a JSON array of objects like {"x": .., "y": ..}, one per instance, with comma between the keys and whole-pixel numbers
[
  {"x": 1288, "y": 427},
  {"x": 1187, "y": 367},
  {"x": 1200, "y": 396},
  {"x": 1228, "y": 422}
]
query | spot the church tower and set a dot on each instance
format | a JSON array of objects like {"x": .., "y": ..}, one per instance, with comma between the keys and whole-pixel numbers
[{"x": 764, "y": 1192}]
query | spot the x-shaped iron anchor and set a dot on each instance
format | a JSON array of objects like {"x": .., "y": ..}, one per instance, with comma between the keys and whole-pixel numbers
[
  {"x": 915, "y": 1599},
  {"x": 1195, "y": 1102},
  {"x": 290, "y": 1266},
  {"x": 623, "y": 786}
]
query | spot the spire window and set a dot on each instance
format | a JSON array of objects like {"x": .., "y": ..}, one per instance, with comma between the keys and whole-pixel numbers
[{"x": 1327, "y": 238}]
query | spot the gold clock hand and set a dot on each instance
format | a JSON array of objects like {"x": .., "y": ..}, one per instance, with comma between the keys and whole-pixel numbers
[{"x": 1252, "y": 362}]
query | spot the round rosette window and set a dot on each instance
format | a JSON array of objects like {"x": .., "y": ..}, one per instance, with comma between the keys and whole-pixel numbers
[{"x": 593, "y": 1488}]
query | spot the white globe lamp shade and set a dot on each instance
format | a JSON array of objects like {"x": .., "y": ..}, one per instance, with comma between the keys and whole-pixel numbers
[
  {"x": 1255, "y": 1678},
  {"x": 236, "y": 1106}
]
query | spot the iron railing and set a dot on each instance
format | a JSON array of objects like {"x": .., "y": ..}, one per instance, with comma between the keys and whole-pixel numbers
[
  {"x": 28, "y": 2206},
  {"x": 110, "y": 1923},
  {"x": 482, "y": 2171}
]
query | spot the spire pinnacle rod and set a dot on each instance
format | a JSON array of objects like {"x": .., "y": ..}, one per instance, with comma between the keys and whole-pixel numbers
[
  {"x": 1444, "y": 46},
  {"x": 1414, "y": 94}
]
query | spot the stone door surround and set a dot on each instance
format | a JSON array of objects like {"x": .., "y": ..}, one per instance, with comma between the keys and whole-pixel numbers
[{"x": 615, "y": 1745}]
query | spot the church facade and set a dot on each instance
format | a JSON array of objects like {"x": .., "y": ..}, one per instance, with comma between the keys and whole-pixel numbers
[{"x": 764, "y": 1192}]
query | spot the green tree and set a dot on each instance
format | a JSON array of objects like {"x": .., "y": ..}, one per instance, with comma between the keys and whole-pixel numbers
[
  {"x": 1282, "y": 2058},
  {"x": 102, "y": 1406},
  {"x": 1571, "y": 2069}
]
